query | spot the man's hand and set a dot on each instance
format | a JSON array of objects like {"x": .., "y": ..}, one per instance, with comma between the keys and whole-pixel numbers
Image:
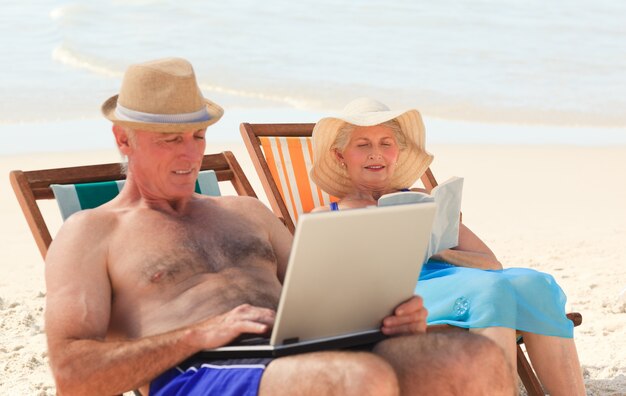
[
  {"x": 222, "y": 329},
  {"x": 408, "y": 318}
]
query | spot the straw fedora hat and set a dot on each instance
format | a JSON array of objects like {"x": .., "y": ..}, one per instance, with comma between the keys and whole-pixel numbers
[
  {"x": 161, "y": 96},
  {"x": 412, "y": 161}
]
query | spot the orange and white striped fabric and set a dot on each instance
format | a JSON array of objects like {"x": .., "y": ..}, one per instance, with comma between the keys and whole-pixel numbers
[{"x": 289, "y": 160}]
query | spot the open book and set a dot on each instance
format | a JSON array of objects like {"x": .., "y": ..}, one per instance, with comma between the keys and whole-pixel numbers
[{"x": 447, "y": 196}]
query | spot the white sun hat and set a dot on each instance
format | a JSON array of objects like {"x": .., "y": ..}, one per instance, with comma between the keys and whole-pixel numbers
[{"x": 413, "y": 161}]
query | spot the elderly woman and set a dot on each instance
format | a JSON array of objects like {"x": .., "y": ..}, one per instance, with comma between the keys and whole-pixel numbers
[{"x": 369, "y": 151}]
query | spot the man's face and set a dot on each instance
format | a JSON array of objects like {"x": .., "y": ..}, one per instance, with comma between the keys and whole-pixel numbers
[{"x": 166, "y": 165}]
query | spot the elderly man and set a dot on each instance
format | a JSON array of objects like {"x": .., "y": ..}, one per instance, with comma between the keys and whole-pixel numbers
[{"x": 141, "y": 284}]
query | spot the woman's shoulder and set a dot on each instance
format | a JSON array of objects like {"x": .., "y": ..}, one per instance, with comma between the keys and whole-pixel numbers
[{"x": 324, "y": 208}]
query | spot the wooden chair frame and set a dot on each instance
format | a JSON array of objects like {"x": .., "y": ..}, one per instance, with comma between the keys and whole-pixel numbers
[
  {"x": 251, "y": 134},
  {"x": 34, "y": 185}
]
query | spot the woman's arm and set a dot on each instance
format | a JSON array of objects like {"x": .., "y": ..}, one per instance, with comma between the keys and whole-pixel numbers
[{"x": 471, "y": 252}]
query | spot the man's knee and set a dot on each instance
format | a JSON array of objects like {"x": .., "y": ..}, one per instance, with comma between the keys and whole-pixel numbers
[
  {"x": 488, "y": 367},
  {"x": 328, "y": 373},
  {"x": 455, "y": 363},
  {"x": 423, "y": 363},
  {"x": 373, "y": 375},
  {"x": 480, "y": 364}
]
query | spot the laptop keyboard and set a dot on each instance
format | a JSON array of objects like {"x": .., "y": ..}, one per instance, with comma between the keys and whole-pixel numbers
[{"x": 250, "y": 339}]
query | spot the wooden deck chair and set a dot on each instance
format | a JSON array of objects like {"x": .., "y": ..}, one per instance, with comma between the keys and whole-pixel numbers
[
  {"x": 83, "y": 187},
  {"x": 282, "y": 155}
]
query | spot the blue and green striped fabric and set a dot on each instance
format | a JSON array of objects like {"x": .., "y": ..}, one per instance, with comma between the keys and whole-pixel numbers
[{"x": 72, "y": 198}]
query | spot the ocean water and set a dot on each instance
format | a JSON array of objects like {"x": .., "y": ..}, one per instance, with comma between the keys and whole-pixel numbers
[{"x": 559, "y": 65}]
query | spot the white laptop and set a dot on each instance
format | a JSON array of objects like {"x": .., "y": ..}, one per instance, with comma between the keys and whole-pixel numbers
[{"x": 347, "y": 271}]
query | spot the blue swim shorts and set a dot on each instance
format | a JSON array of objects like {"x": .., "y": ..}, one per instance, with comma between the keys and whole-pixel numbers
[{"x": 194, "y": 377}]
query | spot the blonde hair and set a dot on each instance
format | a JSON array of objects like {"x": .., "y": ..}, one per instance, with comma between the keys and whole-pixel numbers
[{"x": 344, "y": 133}]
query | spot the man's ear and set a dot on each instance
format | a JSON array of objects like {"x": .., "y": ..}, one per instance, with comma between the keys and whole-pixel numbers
[{"x": 122, "y": 139}]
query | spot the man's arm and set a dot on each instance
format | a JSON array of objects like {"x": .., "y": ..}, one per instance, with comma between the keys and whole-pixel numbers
[
  {"x": 78, "y": 310},
  {"x": 279, "y": 236}
]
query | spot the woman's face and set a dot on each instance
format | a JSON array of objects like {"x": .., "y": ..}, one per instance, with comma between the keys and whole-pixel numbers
[{"x": 370, "y": 157}]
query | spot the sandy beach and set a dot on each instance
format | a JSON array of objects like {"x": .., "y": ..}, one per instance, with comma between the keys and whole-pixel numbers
[
  {"x": 524, "y": 100},
  {"x": 558, "y": 209}
]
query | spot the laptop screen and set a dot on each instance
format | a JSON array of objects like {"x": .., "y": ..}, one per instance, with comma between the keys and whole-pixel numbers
[{"x": 349, "y": 269}]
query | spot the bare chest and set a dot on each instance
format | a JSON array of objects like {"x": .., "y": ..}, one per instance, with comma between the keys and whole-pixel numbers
[{"x": 158, "y": 250}]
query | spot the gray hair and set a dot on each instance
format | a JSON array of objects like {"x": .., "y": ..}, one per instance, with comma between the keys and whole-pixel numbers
[
  {"x": 345, "y": 132},
  {"x": 124, "y": 159}
]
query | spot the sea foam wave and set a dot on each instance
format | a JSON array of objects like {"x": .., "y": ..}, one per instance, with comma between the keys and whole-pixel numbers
[
  {"x": 436, "y": 106},
  {"x": 521, "y": 65},
  {"x": 70, "y": 57}
]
